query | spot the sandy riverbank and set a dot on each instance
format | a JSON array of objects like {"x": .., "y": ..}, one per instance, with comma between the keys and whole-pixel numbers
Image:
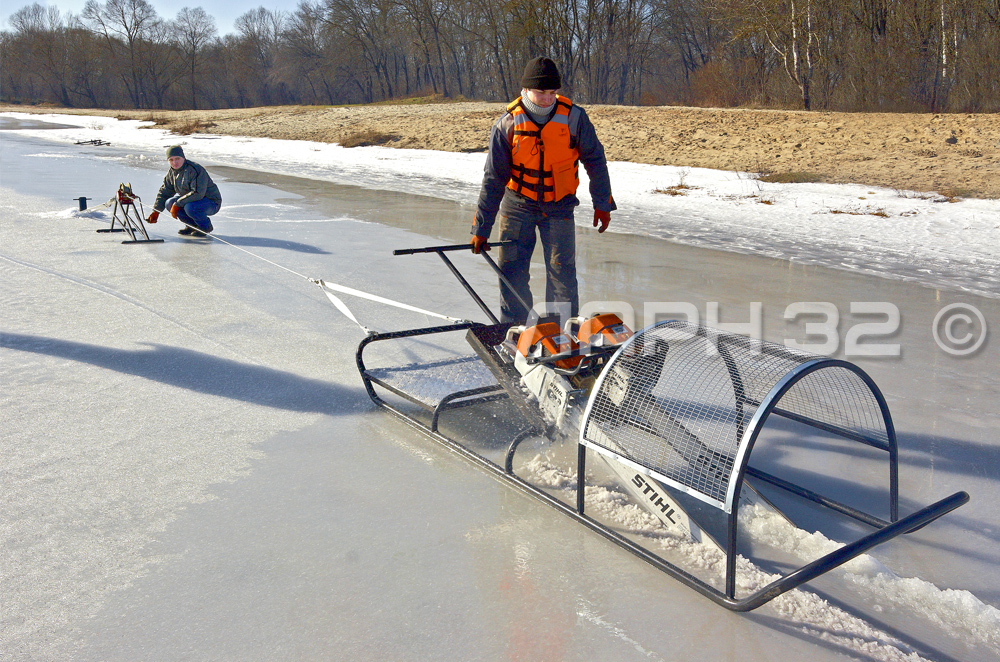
[{"x": 956, "y": 155}]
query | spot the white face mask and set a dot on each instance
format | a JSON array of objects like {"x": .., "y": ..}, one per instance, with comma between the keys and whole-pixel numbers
[{"x": 535, "y": 96}]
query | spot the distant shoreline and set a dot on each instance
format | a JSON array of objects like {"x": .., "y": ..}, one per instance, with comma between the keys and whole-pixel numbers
[{"x": 955, "y": 155}]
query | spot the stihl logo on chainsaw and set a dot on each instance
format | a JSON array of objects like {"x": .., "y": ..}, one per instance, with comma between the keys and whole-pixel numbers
[
  {"x": 654, "y": 497},
  {"x": 555, "y": 395}
]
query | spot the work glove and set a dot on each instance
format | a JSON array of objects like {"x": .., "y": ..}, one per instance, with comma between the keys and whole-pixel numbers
[
  {"x": 602, "y": 217},
  {"x": 479, "y": 244},
  {"x": 152, "y": 217},
  {"x": 174, "y": 210}
]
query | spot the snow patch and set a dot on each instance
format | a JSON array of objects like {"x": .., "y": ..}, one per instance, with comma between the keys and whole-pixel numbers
[{"x": 959, "y": 612}]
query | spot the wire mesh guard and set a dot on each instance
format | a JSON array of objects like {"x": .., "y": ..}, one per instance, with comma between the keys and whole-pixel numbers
[{"x": 684, "y": 402}]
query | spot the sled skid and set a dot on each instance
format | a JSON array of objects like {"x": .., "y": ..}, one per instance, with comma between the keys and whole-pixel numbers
[{"x": 837, "y": 558}]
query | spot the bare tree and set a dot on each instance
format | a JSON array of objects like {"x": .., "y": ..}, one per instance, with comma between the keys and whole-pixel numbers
[
  {"x": 161, "y": 63},
  {"x": 126, "y": 25},
  {"x": 491, "y": 26},
  {"x": 194, "y": 30},
  {"x": 367, "y": 26},
  {"x": 261, "y": 33},
  {"x": 789, "y": 28},
  {"x": 41, "y": 29},
  {"x": 90, "y": 75},
  {"x": 687, "y": 30},
  {"x": 890, "y": 55},
  {"x": 427, "y": 19}
]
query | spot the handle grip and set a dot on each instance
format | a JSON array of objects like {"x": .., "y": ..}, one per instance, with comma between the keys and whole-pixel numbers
[{"x": 442, "y": 249}]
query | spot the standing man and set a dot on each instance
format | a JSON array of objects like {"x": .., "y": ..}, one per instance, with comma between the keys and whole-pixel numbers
[
  {"x": 189, "y": 193},
  {"x": 531, "y": 179}
]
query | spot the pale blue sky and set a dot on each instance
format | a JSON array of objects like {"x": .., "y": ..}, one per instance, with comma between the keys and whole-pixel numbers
[{"x": 223, "y": 11}]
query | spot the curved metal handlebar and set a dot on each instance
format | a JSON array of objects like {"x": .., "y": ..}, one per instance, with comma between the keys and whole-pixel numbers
[{"x": 449, "y": 247}]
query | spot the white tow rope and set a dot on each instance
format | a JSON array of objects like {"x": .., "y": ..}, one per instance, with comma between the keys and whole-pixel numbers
[{"x": 330, "y": 288}]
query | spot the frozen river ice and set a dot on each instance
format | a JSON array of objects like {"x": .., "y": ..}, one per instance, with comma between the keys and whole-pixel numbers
[{"x": 191, "y": 468}]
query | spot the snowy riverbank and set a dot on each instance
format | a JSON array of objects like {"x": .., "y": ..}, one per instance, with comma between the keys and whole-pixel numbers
[{"x": 923, "y": 238}]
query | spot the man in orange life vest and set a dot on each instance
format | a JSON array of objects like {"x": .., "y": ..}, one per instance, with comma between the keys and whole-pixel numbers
[{"x": 531, "y": 180}]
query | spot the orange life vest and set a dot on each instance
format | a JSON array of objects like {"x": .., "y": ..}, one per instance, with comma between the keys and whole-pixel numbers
[{"x": 544, "y": 162}]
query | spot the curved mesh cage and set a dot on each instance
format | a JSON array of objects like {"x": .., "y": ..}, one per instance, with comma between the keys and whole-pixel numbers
[{"x": 679, "y": 402}]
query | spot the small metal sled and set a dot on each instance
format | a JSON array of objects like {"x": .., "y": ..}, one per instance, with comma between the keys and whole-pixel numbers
[
  {"x": 675, "y": 412},
  {"x": 130, "y": 217}
]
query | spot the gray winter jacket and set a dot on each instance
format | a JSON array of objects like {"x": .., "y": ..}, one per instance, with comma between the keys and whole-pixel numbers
[{"x": 191, "y": 182}]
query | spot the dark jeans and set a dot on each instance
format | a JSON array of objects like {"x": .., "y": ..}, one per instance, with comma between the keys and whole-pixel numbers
[
  {"x": 195, "y": 213},
  {"x": 558, "y": 235}
]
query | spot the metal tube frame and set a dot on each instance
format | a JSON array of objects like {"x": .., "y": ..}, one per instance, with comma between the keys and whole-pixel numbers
[
  {"x": 747, "y": 433},
  {"x": 727, "y": 598},
  {"x": 440, "y": 250},
  {"x": 129, "y": 225}
]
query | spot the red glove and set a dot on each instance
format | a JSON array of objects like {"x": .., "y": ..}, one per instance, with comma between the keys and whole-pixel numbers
[
  {"x": 152, "y": 217},
  {"x": 602, "y": 217},
  {"x": 479, "y": 244},
  {"x": 175, "y": 209}
]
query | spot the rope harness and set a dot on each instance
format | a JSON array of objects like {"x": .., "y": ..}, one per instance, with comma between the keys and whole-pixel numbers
[{"x": 329, "y": 290}]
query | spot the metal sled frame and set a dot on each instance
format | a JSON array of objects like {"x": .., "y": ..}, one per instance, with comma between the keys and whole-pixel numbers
[
  {"x": 457, "y": 399},
  {"x": 454, "y": 400},
  {"x": 739, "y": 468},
  {"x": 130, "y": 219}
]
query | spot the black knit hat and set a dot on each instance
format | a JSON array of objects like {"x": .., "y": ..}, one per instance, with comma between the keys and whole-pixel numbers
[
  {"x": 175, "y": 150},
  {"x": 541, "y": 74}
]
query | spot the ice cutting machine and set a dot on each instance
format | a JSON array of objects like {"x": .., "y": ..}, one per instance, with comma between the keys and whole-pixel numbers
[
  {"x": 680, "y": 407},
  {"x": 684, "y": 404}
]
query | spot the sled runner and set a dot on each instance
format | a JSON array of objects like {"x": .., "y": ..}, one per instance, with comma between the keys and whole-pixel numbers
[{"x": 673, "y": 411}]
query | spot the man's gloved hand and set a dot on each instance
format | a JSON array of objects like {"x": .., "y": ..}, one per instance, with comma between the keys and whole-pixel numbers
[
  {"x": 152, "y": 217},
  {"x": 175, "y": 209},
  {"x": 479, "y": 244},
  {"x": 603, "y": 218}
]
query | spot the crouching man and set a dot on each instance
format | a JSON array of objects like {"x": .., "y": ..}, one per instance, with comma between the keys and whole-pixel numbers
[{"x": 189, "y": 193}]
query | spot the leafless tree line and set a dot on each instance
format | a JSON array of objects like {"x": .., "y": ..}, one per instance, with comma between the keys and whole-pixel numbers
[{"x": 892, "y": 55}]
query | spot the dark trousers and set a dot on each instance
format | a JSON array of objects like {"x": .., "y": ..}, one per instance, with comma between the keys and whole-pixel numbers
[
  {"x": 195, "y": 213},
  {"x": 558, "y": 235}
]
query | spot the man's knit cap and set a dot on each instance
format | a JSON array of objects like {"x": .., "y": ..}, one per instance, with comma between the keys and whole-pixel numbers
[
  {"x": 175, "y": 150},
  {"x": 541, "y": 74}
]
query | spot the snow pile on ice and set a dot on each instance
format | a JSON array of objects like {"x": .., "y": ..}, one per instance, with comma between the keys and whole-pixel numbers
[
  {"x": 99, "y": 213},
  {"x": 960, "y": 612}
]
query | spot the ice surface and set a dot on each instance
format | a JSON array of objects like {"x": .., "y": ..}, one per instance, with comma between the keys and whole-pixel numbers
[{"x": 191, "y": 467}]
